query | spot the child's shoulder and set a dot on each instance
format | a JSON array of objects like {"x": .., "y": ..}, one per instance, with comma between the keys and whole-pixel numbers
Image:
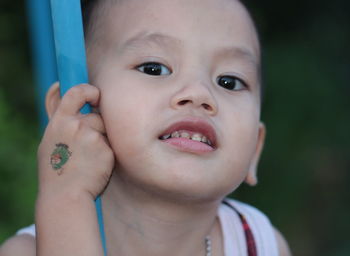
[
  {"x": 253, "y": 215},
  {"x": 20, "y": 244},
  {"x": 236, "y": 217}
]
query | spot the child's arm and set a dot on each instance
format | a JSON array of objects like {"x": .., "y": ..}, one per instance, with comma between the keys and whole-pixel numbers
[
  {"x": 75, "y": 163},
  {"x": 66, "y": 222},
  {"x": 66, "y": 225}
]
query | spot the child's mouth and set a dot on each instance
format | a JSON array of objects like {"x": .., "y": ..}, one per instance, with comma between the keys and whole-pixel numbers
[
  {"x": 195, "y": 136},
  {"x": 191, "y": 134}
]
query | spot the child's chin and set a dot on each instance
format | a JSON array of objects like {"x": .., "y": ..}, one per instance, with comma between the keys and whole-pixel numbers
[
  {"x": 187, "y": 190},
  {"x": 174, "y": 181}
]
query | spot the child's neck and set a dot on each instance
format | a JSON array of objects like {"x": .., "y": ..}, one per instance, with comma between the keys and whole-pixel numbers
[{"x": 139, "y": 223}]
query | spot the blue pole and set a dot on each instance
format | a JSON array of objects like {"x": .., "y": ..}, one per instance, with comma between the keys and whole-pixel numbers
[
  {"x": 71, "y": 59},
  {"x": 70, "y": 45},
  {"x": 43, "y": 51},
  {"x": 68, "y": 41}
]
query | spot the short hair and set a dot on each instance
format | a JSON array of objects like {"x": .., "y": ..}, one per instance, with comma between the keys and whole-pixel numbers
[{"x": 89, "y": 8}]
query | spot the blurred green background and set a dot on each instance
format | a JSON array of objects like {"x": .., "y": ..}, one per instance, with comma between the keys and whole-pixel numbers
[{"x": 304, "y": 180}]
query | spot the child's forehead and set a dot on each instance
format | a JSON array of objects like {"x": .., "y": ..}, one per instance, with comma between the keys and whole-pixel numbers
[
  {"x": 131, "y": 9},
  {"x": 225, "y": 20}
]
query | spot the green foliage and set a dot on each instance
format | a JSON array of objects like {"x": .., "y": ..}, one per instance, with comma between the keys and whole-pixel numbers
[
  {"x": 18, "y": 123},
  {"x": 18, "y": 176}
]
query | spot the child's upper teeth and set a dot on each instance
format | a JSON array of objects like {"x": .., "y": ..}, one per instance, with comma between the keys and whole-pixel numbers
[
  {"x": 184, "y": 134},
  {"x": 165, "y": 137},
  {"x": 196, "y": 137},
  {"x": 175, "y": 134}
]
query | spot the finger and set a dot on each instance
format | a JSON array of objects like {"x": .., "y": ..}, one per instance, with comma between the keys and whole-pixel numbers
[
  {"x": 95, "y": 110},
  {"x": 52, "y": 99},
  {"x": 76, "y": 97},
  {"x": 95, "y": 122},
  {"x": 105, "y": 138}
]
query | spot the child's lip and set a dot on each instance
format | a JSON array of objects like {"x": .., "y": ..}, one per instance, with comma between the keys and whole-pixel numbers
[
  {"x": 195, "y": 125},
  {"x": 188, "y": 145}
]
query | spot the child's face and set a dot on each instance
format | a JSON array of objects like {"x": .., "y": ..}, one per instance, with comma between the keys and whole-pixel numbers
[{"x": 199, "y": 45}]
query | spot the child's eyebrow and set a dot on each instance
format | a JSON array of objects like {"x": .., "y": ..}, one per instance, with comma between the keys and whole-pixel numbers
[
  {"x": 158, "y": 39},
  {"x": 239, "y": 52}
]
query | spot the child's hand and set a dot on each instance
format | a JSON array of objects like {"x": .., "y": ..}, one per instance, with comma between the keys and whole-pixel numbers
[{"x": 74, "y": 156}]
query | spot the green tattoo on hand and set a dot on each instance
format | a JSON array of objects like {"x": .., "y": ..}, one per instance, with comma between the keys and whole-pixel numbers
[{"x": 59, "y": 157}]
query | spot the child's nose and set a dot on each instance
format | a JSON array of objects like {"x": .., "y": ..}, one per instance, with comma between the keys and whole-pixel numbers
[{"x": 195, "y": 95}]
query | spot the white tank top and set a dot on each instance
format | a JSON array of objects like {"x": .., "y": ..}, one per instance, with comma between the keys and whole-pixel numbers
[{"x": 233, "y": 233}]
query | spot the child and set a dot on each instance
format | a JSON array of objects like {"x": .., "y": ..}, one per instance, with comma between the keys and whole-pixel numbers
[{"x": 176, "y": 129}]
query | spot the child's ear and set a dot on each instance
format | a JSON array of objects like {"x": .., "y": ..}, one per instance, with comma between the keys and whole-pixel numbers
[
  {"x": 52, "y": 99},
  {"x": 251, "y": 178}
]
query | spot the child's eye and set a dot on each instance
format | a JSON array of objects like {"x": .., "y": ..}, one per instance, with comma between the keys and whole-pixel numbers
[
  {"x": 231, "y": 83},
  {"x": 154, "y": 69}
]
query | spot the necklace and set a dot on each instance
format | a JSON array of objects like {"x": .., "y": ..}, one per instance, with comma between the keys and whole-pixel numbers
[{"x": 207, "y": 246}]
